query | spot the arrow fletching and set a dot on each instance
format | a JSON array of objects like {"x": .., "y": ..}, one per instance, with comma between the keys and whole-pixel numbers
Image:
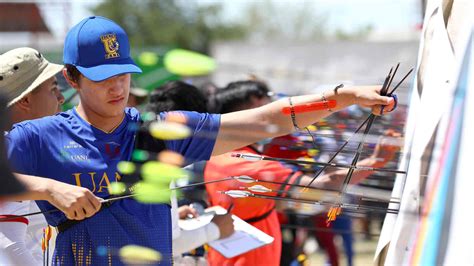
[
  {"x": 237, "y": 193},
  {"x": 259, "y": 188},
  {"x": 244, "y": 179}
]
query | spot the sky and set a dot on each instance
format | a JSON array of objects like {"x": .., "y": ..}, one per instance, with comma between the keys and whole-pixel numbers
[{"x": 348, "y": 15}]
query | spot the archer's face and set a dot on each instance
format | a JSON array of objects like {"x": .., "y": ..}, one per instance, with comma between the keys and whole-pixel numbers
[
  {"x": 46, "y": 99},
  {"x": 107, "y": 98}
]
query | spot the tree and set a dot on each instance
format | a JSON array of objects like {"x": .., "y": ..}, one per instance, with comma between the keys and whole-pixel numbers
[
  {"x": 189, "y": 25},
  {"x": 296, "y": 21},
  {"x": 169, "y": 23}
]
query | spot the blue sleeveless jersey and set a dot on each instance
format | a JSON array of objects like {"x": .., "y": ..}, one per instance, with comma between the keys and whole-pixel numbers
[{"x": 66, "y": 148}]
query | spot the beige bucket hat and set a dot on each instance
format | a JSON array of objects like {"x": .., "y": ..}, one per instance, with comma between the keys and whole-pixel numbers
[{"x": 22, "y": 70}]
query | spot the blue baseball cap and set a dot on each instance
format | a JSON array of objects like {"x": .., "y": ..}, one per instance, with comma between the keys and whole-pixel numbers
[{"x": 99, "y": 48}]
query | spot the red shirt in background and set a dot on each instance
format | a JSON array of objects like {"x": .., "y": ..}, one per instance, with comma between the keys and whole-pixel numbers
[{"x": 223, "y": 166}]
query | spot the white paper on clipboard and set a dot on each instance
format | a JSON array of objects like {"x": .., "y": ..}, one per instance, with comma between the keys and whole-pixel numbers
[{"x": 245, "y": 238}]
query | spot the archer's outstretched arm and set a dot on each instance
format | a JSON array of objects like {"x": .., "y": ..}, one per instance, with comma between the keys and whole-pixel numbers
[{"x": 245, "y": 122}]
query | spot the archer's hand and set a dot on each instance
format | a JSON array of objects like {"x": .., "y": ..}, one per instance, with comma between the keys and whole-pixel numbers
[
  {"x": 76, "y": 202},
  {"x": 368, "y": 96}
]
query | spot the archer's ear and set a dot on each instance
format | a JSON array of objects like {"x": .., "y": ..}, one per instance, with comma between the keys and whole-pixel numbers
[
  {"x": 69, "y": 80},
  {"x": 24, "y": 103}
]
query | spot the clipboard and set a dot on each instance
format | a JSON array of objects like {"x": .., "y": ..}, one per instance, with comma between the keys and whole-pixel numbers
[{"x": 245, "y": 238}]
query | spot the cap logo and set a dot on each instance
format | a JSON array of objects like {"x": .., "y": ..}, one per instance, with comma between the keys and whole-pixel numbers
[{"x": 111, "y": 45}]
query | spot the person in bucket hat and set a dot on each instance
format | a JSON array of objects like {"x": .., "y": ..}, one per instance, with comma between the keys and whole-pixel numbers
[
  {"x": 28, "y": 82},
  {"x": 23, "y": 72},
  {"x": 83, "y": 146}
]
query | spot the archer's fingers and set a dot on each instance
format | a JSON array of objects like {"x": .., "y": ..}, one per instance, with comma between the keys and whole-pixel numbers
[
  {"x": 89, "y": 209},
  {"x": 382, "y": 109},
  {"x": 79, "y": 214},
  {"x": 94, "y": 201}
]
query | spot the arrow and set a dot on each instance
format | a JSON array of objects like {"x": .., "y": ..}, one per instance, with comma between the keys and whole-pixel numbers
[
  {"x": 362, "y": 192},
  {"x": 244, "y": 194},
  {"x": 255, "y": 157},
  {"x": 335, "y": 155},
  {"x": 317, "y": 193},
  {"x": 334, "y": 211},
  {"x": 112, "y": 199}
]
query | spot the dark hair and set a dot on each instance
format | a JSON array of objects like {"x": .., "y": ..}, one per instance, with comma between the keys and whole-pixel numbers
[
  {"x": 233, "y": 97},
  {"x": 73, "y": 73},
  {"x": 177, "y": 95}
]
